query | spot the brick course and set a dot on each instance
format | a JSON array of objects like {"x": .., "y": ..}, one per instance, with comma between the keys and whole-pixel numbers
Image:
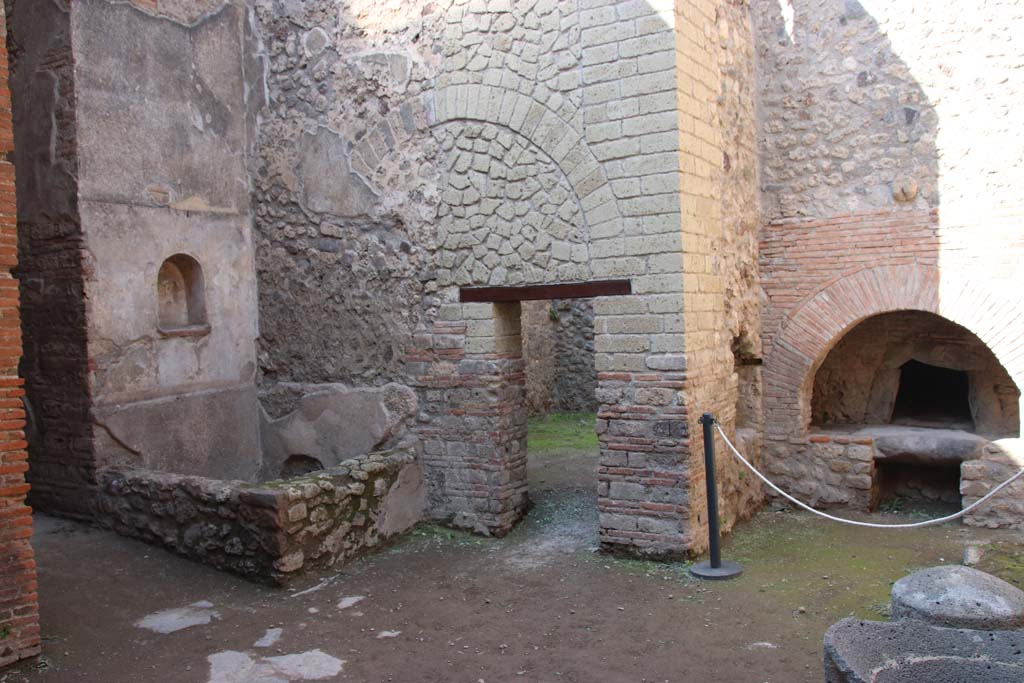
[{"x": 19, "y": 610}]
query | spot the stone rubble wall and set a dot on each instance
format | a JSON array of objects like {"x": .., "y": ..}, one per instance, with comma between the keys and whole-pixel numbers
[
  {"x": 884, "y": 187},
  {"x": 999, "y": 461},
  {"x": 410, "y": 148},
  {"x": 558, "y": 348},
  {"x": 834, "y": 471},
  {"x": 271, "y": 532}
]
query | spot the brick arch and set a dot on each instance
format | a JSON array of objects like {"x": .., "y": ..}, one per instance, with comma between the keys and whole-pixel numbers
[
  {"x": 817, "y": 325},
  {"x": 522, "y": 115}
]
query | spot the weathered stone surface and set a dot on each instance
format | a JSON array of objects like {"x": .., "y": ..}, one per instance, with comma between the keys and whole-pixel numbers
[
  {"x": 1000, "y": 461},
  {"x": 926, "y": 446},
  {"x": 958, "y": 597},
  {"x": 332, "y": 423},
  {"x": 329, "y": 186},
  {"x": 912, "y": 651},
  {"x": 206, "y": 434},
  {"x": 268, "y": 532},
  {"x": 558, "y": 347}
]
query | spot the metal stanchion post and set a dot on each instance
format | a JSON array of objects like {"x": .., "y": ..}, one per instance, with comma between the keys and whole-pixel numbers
[{"x": 714, "y": 568}]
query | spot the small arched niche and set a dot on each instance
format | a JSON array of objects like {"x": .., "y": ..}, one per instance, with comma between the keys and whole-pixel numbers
[{"x": 181, "y": 297}]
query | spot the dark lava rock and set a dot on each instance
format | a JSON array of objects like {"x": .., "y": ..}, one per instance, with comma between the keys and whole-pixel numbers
[
  {"x": 912, "y": 651},
  {"x": 958, "y": 597}
]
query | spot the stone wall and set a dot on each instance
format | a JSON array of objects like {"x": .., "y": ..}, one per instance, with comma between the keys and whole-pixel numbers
[
  {"x": 883, "y": 185},
  {"x": 720, "y": 215},
  {"x": 999, "y": 462},
  {"x": 412, "y": 148},
  {"x": 835, "y": 470},
  {"x": 51, "y": 255},
  {"x": 19, "y": 610},
  {"x": 125, "y": 168},
  {"x": 271, "y": 532},
  {"x": 558, "y": 348},
  {"x": 161, "y": 104}
]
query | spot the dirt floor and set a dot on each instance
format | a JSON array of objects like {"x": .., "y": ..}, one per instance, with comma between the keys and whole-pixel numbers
[{"x": 538, "y": 605}]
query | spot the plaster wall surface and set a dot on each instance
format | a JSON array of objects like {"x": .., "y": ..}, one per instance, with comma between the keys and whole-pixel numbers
[
  {"x": 135, "y": 123},
  {"x": 162, "y": 144}
]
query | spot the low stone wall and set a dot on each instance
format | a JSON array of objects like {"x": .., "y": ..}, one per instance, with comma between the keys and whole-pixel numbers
[
  {"x": 268, "y": 532},
  {"x": 999, "y": 462},
  {"x": 828, "y": 470},
  {"x": 833, "y": 470}
]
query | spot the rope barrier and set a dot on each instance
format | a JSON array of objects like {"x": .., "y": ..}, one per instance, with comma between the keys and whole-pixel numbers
[{"x": 854, "y": 522}]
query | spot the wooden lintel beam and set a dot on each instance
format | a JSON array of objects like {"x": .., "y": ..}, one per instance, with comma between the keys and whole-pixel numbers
[{"x": 569, "y": 290}]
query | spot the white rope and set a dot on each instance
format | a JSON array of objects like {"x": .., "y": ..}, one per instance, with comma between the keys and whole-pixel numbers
[{"x": 854, "y": 522}]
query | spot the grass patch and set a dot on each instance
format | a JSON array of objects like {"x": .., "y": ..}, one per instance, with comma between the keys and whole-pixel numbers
[{"x": 562, "y": 430}]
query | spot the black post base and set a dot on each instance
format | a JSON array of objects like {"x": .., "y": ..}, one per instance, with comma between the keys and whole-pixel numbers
[{"x": 728, "y": 570}]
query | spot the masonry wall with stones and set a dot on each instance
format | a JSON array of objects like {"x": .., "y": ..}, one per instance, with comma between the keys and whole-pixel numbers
[
  {"x": 138, "y": 269},
  {"x": 884, "y": 189},
  {"x": 410, "y": 148},
  {"x": 50, "y": 270},
  {"x": 558, "y": 349},
  {"x": 271, "y": 532},
  {"x": 19, "y": 610},
  {"x": 720, "y": 215}
]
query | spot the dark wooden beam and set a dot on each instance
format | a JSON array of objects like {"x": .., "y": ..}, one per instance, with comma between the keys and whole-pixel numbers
[{"x": 571, "y": 290}]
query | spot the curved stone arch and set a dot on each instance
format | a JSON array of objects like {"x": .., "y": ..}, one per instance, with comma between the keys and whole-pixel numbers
[
  {"x": 514, "y": 111},
  {"x": 817, "y": 325}
]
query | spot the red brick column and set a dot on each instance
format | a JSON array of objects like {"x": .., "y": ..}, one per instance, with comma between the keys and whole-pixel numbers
[
  {"x": 472, "y": 382},
  {"x": 19, "y": 609}
]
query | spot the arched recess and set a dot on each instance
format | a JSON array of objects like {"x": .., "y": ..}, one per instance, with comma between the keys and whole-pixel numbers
[
  {"x": 519, "y": 113},
  {"x": 181, "y": 295},
  {"x": 814, "y": 327}
]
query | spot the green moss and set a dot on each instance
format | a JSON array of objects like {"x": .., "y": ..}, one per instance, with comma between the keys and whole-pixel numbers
[
  {"x": 427, "y": 534},
  {"x": 1005, "y": 561},
  {"x": 562, "y": 430},
  {"x": 837, "y": 569}
]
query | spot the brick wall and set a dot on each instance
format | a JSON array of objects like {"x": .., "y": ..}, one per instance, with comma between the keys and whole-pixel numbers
[
  {"x": 19, "y": 611},
  {"x": 800, "y": 256},
  {"x": 717, "y": 235},
  {"x": 50, "y": 258}
]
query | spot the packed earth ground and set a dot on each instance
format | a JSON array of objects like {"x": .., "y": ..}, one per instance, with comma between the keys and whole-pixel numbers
[{"x": 443, "y": 606}]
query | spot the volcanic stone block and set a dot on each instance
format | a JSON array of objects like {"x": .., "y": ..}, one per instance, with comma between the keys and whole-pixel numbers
[
  {"x": 907, "y": 651},
  {"x": 959, "y": 597}
]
